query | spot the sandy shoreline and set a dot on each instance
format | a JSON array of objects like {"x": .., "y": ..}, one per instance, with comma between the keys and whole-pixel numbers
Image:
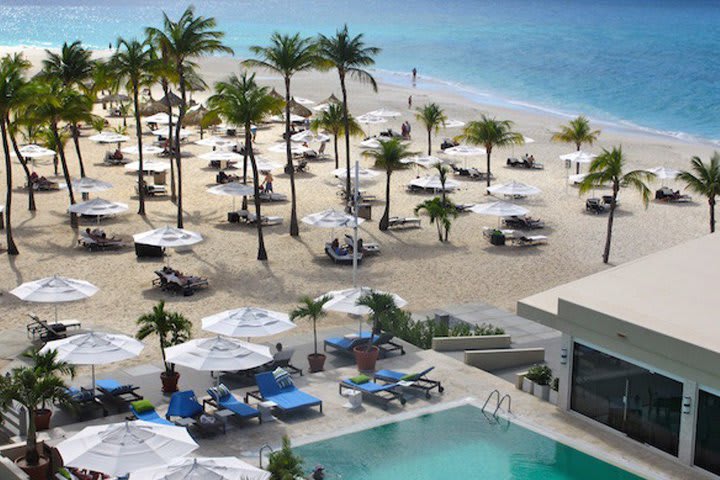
[{"x": 413, "y": 263}]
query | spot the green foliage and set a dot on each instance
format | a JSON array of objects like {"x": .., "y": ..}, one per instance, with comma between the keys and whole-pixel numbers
[
  {"x": 432, "y": 117},
  {"x": 577, "y": 131},
  {"x": 555, "y": 385},
  {"x": 441, "y": 212},
  {"x": 704, "y": 179},
  {"x": 540, "y": 374},
  {"x": 285, "y": 464},
  {"x": 171, "y": 328}
]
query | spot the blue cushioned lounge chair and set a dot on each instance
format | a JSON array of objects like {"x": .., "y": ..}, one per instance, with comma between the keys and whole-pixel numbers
[
  {"x": 112, "y": 389},
  {"x": 184, "y": 405},
  {"x": 149, "y": 415},
  {"x": 83, "y": 399},
  {"x": 230, "y": 402},
  {"x": 419, "y": 380},
  {"x": 382, "y": 341},
  {"x": 287, "y": 399},
  {"x": 371, "y": 391}
]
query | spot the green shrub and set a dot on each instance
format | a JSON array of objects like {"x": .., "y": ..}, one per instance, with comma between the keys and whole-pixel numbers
[
  {"x": 540, "y": 374},
  {"x": 285, "y": 464},
  {"x": 555, "y": 385}
]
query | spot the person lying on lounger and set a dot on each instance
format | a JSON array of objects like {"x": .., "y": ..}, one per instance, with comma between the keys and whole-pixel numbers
[{"x": 335, "y": 245}]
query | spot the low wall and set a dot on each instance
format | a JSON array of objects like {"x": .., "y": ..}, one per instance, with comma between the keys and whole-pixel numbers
[
  {"x": 480, "y": 342},
  {"x": 8, "y": 469},
  {"x": 499, "y": 359}
]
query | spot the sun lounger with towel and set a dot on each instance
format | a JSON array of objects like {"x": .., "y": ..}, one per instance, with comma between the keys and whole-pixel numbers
[
  {"x": 371, "y": 391},
  {"x": 145, "y": 411},
  {"x": 343, "y": 256},
  {"x": 222, "y": 398},
  {"x": 404, "y": 222},
  {"x": 281, "y": 391},
  {"x": 523, "y": 222},
  {"x": 529, "y": 241},
  {"x": 414, "y": 380}
]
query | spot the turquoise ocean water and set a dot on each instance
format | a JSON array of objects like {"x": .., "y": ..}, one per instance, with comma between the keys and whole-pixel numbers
[
  {"x": 649, "y": 64},
  {"x": 456, "y": 443}
]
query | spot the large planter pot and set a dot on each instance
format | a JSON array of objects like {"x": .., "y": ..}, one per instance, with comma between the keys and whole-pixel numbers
[
  {"x": 527, "y": 385},
  {"x": 317, "y": 362},
  {"x": 553, "y": 397},
  {"x": 42, "y": 418},
  {"x": 366, "y": 358},
  {"x": 169, "y": 382},
  {"x": 36, "y": 472},
  {"x": 541, "y": 391}
]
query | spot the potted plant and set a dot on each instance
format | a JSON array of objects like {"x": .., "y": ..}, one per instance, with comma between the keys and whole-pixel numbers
[
  {"x": 540, "y": 375},
  {"x": 47, "y": 364},
  {"x": 313, "y": 310},
  {"x": 32, "y": 388},
  {"x": 527, "y": 384},
  {"x": 172, "y": 329},
  {"x": 382, "y": 307},
  {"x": 554, "y": 386}
]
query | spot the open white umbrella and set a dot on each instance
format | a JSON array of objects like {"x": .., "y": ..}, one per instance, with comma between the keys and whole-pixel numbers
[
  {"x": 363, "y": 174},
  {"x": 454, "y": 124},
  {"x": 371, "y": 143},
  {"x": 433, "y": 182},
  {"x": 55, "y": 289},
  {"x": 98, "y": 207},
  {"x": 303, "y": 101},
  {"x": 216, "y": 468},
  {"x": 215, "y": 142},
  {"x": 578, "y": 157},
  {"x": 90, "y": 185},
  {"x": 161, "y": 119},
  {"x": 370, "y": 120},
  {"x": 34, "y": 151},
  {"x": 331, "y": 218},
  {"x": 163, "y": 133},
  {"x": 109, "y": 137},
  {"x": 148, "y": 166},
  {"x": 499, "y": 209},
  {"x": 664, "y": 173},
  {"x": 527, "y": 140},
  {"x": 94, "y": 348},
  {"x": 425, "y": 161},
  {"x": 309, "y": 136},
  {"x": 120, "y": 448},
  {"x": 464, "y": 151},
  {"x": 147, "y": 150},
  {"x": 514, "y": 189},
  {"x": 221, "y": 156},
  {"x": 323, "y": 107},
  {"x": 218, "y": 354},
  {"x": 233, "y": 189},
  {"x": 345, "y": 301},
  {"x": 281, "y": 118},
  {"x": 248, "y": 322},
  {"x": 169, "y": 237},
  {"x": 294, "y": 148},
  {"x": 383, "y": 113}
]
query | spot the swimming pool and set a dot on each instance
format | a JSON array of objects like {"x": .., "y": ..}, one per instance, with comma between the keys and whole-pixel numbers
[{"x": 458, "y": 443}]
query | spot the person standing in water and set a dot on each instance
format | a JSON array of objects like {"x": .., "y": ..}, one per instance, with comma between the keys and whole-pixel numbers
[
  {"x": 414, "y": 75},
  {"x": 410, "y": 102}
]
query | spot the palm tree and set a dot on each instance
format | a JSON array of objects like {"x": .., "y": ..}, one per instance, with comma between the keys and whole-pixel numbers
[
  {"x": 490, "y": 132},
  {"x": 382, "y": 307},
  {"x": 78, "y": 109},
  {"x": 73, "y": 65},
  {"x": 287, "y": 55},
  {"x": 47, "y": 140},
  {"x": 704, "y": 179},
  {"x": 31, "y": 132},
  {"x": 312, "y": 310},
  {"x": 576, "y": 131},
  {"x": 171, "y": 329},
  {"x": 441, "y": 212},
  {"x": 332, "y": 120},
  {"x": 608, "y": 168},
  {"x": 131, "y": 62},
  {"x": 189, "y": 37},
  {"x": 242, "y": 102},
  {"x": 389, "y": 158},
  {"x": 432, "y": 117},
  {"x": 349, "y": 56}
]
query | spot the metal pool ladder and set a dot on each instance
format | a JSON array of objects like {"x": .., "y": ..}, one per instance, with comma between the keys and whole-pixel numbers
[
  {"x": 500, "y": 401},
  {"x": 261, "y": 452}
]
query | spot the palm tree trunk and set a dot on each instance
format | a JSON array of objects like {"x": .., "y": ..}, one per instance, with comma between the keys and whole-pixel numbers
[
  {"x": 488, "y": 151},
  {"x": 711, "y": 201},
  {"x": 611, "y": 218},
  {"x": 294, "y": 230},
  {"x": 23, "y": 162},
  {"x": 385, "y": 220},
  {"x": 244, "y": 205},
  {"x": 138, "y": 132},
  {"x": 262, "y": 253},
  {"x": 439, "y": 229},
  {"x": 76, "y": 140},
  {"x": 429, "y": 141},
  {"x": 337, "y": 156},
  {"x": 346, "y": 123},
  {"x": 577, "y": 167},
  {"x": 66, "y": 173},
  {"x": 31, "y": 454},
  {"x": 166, "y": 92},
  {"x": 181, "y": 117},
  {"x": 315, "y": 335},
  {"x": 11, "y": 247}
]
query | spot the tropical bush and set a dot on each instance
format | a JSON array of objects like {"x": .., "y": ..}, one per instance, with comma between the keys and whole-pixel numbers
[
  {"x": 540, "y": 374},
  {"x": 285, "y": 464}
]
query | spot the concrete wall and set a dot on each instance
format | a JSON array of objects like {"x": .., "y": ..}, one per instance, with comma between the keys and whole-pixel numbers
[
  {"x": 480, "y": 342},
  {"x": 8, "y": 469},
  {"x": 498, "y": 359}
]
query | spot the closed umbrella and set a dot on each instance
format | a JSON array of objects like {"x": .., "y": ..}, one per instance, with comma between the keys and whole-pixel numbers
[
  {"x": 432, "y": 182},
  {"x": 90, "y": 185},
  {"x": 148, "y": 166},
  {"x": 217, "y": 468},
  {"x": 168, "y": 237},
  {"x": 514, "y": 189},
  {"x": 147, "y": 150},
  {"x": 98, "y": 207},
  {"x": 55, "y": 289},
  {"x": 248, "y": 322},
  {"x": 121, "y": 448},
  {"x": 218, "y": 354}
]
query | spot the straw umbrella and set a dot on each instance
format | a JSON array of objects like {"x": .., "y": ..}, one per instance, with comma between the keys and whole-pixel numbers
[{"x": 299, "y": 109}]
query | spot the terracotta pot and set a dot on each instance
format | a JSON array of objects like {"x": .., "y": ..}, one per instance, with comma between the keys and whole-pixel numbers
[
  {"x": 42, "y": 418},
  {"x": 169, "y": 382},
  {"x": 366, "y": 358},
  {"x": 35, "y": 472},
  {"x": 317, "y": 362}
]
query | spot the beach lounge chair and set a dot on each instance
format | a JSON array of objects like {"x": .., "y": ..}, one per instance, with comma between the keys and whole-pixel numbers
[
  {"x": 529, "y": 241},
  {"x": 80, "y": 399},
  {"x": 185, "y": 407},
  {"x": 524, "y": 163},
  {"x": 419, "y": 380},
  {"x": 463, "y": 207},
  {"x": 93, "y": 243},
  {"x": 112, "y": 160},
  {"x": 523, "y": 223},
  {"x": 287, "y": 398},
  {"x": 114, "y": 390},
  {"x": 667, "y": 194},
  {"x": 222, "y": 398},
  {"x": 404, "y": 222},
  {"x": 273, "y": 197},
  {"x": 366, "y": 248},
  {"x": 145, "y": 411},
  {"x": 47, "y": 331},
  {"x": 344, "y": 257},
  {"x": 174, "y": 281},
  {"x": 372, "y": 391},
  {"x": 594, "y": 205},
  {"x": 346, "y": 344}
]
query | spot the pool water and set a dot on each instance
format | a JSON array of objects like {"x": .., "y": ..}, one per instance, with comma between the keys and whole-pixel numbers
[{"x": 459, "y": 443}]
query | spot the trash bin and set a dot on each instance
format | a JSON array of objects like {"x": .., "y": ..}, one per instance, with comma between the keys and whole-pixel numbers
[
  {"x": 497, "y": 239},
  {"x": 365, "y": 211}
]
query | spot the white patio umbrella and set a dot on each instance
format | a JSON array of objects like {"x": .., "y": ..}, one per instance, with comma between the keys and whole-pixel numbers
[
  {"x": 527, "y": 140},
  {"x": 98, "y": 207},
  {"x": 514, "y": 189},
  {"x": 331, "y": 218},
  {"x": 433, "y": 182},
  {"x": 248, "y": 322},
  {"x": 169, "y": 237},
  {"x": 425, "y": 161},
  {"x": 281, "y": 118},
  {"x": 94, "y": 348},
  {"x": 89, "y": 185},
  {"x": 294, "y": 148},
  {"x": 161, "y": 118},
  {"x": 499, "y": 209},
  {"x": 33, "y": 151},
  {"x": 109, "y": 137},
  {"x": 218, "y": 354},
  {"x": 148, "y": 166},
  {"x": 371, "y": 143},
  {"x": 303, "y": 101},
  {"x": 454, "y": 124},
  {"x": 201, "y": 468},
  {"x": 215, "y": 142},
  {"x": 323, "y": 107},
  {"x": 221, "y": 156},
  {"x": 578, "y": 157},
  {"x": 163, "y": 133},
  {"x": 362, "y": 174},
  {"x": 345, "y": 301},
  {"x": 121, "y": 448},
  {"x": 147, "y": 150},
  {"x": 464, "y": 151},
  {"x": 664, "y": 173},
  {"x": 232, "y": 189},
  {"x": 370, "y": 119},
  {"x": 383, "y": 113},
  {"x": 309, "y": 136},
  {"x": 55, "y": 289}
]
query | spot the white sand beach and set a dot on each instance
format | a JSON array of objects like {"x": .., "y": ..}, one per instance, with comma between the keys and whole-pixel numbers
[{"x": 413, "y": 264}]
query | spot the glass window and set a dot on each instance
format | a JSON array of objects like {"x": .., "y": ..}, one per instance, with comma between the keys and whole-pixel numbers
[
  {"x": 643, "y": 404},
  {"x": 707, "y": 435}
]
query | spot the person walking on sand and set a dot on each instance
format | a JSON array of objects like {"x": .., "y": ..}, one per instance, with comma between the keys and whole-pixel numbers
[
  {"x": 410, "y": 102},
  {"x": 268, "y": 182}
]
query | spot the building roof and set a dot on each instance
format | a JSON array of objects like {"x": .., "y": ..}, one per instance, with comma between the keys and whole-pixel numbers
[{"x": 674, "y": 293}]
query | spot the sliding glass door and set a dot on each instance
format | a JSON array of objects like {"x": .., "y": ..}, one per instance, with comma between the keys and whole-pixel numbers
[
  {"x": 629, "y": 398},
  {"x": 707, "y": 436}
]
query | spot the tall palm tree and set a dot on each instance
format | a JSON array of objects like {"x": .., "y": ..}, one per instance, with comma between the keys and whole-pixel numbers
[
  {"x": 73, "y": 65},
  {"x": 29, "y": 132},
  {"x": 287, "y": 55},
  {"x": 441, "y": 212},
  {"x": 704, "y": 179},
  {"x": 241, "y": 101},
  {"x": 389, "y": 158},
  {"x": 432, "y": 117},
  {"x": 349, "y": 56},
  {"x": 382, "y": 307},
  {"x": 577, "y": 131},
  {"x": 132, "y": 62},
  {"x": 609, "y": 169},
  {"x": 79, "y": 109},
  {"x": 188, "y": 37},
  {"x": 332, "y": 120},
  {"x": 490, "y": 132}
]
